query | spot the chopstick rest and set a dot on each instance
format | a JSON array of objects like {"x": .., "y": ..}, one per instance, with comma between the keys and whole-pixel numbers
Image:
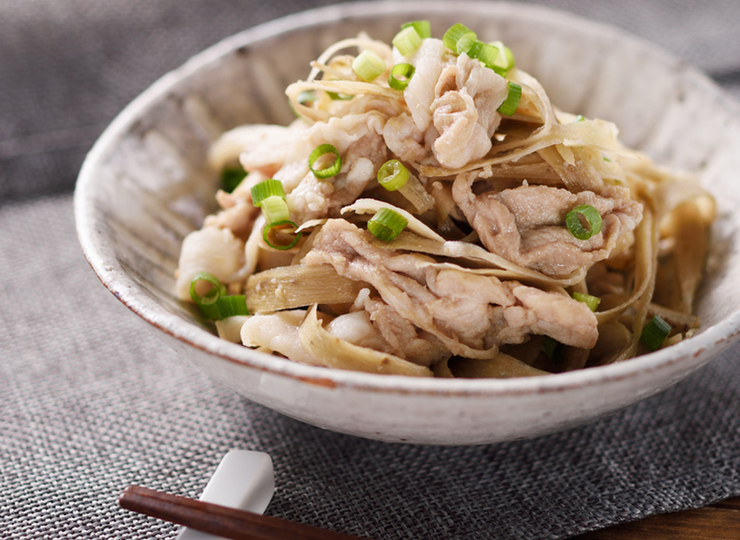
[
  {"x": 244, "y": 479},
  {"x": 220, "y": 520}
]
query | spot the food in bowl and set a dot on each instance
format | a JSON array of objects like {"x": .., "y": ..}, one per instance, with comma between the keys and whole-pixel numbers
[{"x": 431, "y": 213}]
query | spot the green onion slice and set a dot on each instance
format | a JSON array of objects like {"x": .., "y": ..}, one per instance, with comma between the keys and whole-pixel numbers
[
  {"x": 339, "y": 97},
  {"x": 548, "y": 346},
  {"x": 508, "y": 107},
  {"x": 216, "y": 304},
  {"x": 214, "y": 292},
  {"x": 393, "y": 175},
  {"x": 401, "y": 76},
  {"x": 459, "y": 38},
  {"x": 386, "y": 224},
  {"x": 330, "y": 170},
  {"x": 591, "y": 301},
  {"x": 488, "y": 54},
  {"x": 225, "y": 306},
  {"x": 232, "y": 177},
  {"x": 275, "y": 209},
  {"x": 407, "y": 41},
  {"x": 231, "y": 306},
  {"x": 590, "y": 215},
  {"x": 552, "y": 349},
  {"x": 423, "y": 28},
  {"x": 306, "y": 96},
  {"x": 368, "y": 66},
  {"x": 265, "y": 189},
  {"x": 655, "y": 333},
  {"x": 484, "y": 52},
  {"x": 504, "y": 61},
  {"x": 281, "y": 235}
]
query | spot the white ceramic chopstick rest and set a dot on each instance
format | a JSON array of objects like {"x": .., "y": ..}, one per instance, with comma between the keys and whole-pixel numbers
[{"x": 244, "y": 479}]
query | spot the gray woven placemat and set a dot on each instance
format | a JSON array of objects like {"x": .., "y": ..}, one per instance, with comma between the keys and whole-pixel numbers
[{"x": 91, "y": 401}]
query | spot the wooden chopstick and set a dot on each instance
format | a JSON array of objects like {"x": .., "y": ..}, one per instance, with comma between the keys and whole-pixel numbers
[{"x": 220, "y": 520}]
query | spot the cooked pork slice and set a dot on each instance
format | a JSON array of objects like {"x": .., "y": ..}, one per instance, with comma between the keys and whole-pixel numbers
[
  {"x": 404, "y": 139},
  {"x": 277, "y": 332},
  {"x": 540, "y": 312},
  {"x": 402, "y": 338},
  {"x": 359, "y": 141},
  {"x": 464, "y": 111},
  {"x": 210, "y": 249},
  {"x": 429, "y": 61},
  {"x": 259, "y": 147},
  {"x": 526, "y": 225},
  {"x": 356, "y": 328},
  {"x": 238, "y": 212},
  {"x": 238, "y": 218},
  {"x": 468, "y": 313},
  {"x": 452, "y": 103}
]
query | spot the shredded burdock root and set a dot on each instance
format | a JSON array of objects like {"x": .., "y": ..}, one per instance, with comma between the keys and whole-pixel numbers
[{"x": 431, "y": 213}]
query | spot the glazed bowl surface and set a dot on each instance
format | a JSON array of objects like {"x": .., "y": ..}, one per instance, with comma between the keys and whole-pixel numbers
[{"x": 145, "y": 185}]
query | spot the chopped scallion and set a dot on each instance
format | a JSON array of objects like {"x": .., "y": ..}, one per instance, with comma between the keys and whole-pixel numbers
[
  {"x": 281, "y": 235},
  {"x": 368, "y": 66},
  {"x": 552, "y": 349},
  {"x": 212, "y": 293},
  {"x": 590, "y": 215},
  {"x": 484, "y": 52},
  {"x": 423, "y": 28},
  {"x": 459, "y": 38},
  {"x": 400, "y": 76},
  {"x": 275, "y": 209},
  {"x": 655, "y": 333},
  {"x": 505, "y": 60},
  {"x": 225, "y": 306},
  {"x": 270, "y": 196},
  {"x": 407, "y": 41},
  {"x": 307, "y": 96},
  {"x": 508, "y": 107},
  {"x": 386, "y": 224},
  {"x": 591, "y": 301},
  {"x": 231, "y": 306},
  {"x": 326, "y": 171},
  {"x": 465, "y": 42},
  {"x": 339, "y": 97},
  {"x": 392, "y": 175},
  {"x": 232, "y": 177},
  {"x": 215, "y": 304},
  {"x": 267, "y": 188}
]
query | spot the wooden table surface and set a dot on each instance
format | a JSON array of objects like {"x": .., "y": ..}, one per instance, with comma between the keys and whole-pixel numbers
[{"x": 719, "y": 521}]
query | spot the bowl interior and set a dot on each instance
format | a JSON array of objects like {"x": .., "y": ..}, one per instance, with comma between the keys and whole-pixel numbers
[{"x": 145, "y": 185}]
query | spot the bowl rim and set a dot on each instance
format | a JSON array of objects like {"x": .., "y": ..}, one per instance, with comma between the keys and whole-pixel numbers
[{"x": 708, "y": 342}]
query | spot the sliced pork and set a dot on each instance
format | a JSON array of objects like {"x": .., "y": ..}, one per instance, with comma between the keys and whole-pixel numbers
[
  {"x": 210, "y": 249},
  {"x": 468, "y": 314},
  {"x": 464, "y": 111},
  {"x": 526, "y": 225},
  {"x": 359, "y": 141},
  {"x": 453, "y": 102}
]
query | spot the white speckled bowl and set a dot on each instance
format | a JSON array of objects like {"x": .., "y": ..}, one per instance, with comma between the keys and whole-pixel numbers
[{"x": 144, "y": 186}]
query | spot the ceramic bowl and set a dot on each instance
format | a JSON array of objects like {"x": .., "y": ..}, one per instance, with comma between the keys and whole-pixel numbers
[{"x": 145, "y": 185}]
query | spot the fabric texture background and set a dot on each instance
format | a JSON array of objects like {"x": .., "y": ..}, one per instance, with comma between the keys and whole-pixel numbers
[{"x": 91, "y": 401}]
